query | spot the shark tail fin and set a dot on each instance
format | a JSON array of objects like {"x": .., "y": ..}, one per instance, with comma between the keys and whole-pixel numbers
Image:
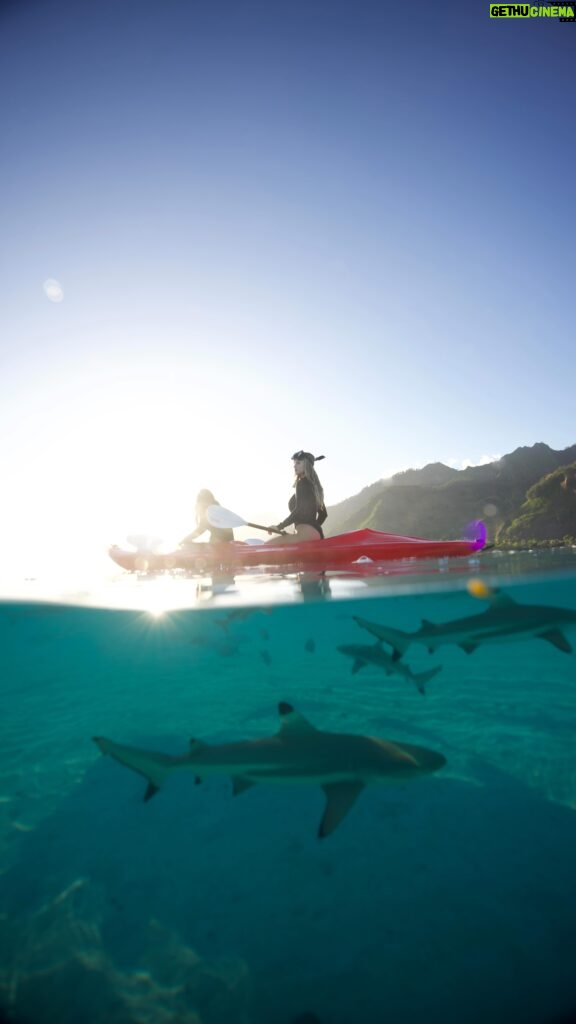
[{"x": 421, "y": 678}]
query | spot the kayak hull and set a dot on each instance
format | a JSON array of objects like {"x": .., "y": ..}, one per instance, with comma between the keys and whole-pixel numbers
[{"x": 333, "y": 552}]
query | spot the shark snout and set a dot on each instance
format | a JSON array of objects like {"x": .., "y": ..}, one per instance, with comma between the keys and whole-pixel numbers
[
  {"x": 425, "y": 760},
  {"x": 432, "y": 761}
]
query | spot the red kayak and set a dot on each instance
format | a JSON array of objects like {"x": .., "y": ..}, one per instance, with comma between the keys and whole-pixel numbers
[{"x": 332, "y": 553}]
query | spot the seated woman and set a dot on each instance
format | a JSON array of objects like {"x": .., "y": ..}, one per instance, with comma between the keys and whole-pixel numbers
[
  {"x": 218, "y": 535},
  {"x": 307, "y": 508}
]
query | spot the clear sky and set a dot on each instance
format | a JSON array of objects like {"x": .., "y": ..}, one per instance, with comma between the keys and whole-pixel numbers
[{"x": 231, "y": 229}]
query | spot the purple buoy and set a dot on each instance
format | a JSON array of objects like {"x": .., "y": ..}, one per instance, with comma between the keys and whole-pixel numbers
[{"x": 476, "y": 533}]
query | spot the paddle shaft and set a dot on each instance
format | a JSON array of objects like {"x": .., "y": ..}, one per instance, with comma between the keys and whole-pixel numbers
[{"x": 269, "y": 529}]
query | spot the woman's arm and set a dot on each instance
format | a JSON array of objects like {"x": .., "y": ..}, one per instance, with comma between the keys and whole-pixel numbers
[{"x": 200, "y": 529}]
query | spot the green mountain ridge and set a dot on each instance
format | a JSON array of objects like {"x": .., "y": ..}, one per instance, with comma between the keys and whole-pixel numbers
[
  {"x": 527, "y": 495},
  {"x": 549, "y": 512}
]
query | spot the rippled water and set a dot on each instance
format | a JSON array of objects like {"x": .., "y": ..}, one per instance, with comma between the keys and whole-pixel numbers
[{"x": 452, "y": 898}]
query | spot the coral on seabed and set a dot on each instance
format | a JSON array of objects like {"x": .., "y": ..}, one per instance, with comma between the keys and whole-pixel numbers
[{"x": 54, "y": 968}]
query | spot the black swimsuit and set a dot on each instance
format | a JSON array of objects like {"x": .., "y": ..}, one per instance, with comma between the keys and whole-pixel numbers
[
  {"x": 218, "y": 534},
  {"x": 303, "y": 508}
]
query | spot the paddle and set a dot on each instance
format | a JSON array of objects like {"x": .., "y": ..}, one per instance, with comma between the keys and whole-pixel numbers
[{"x": 225, "y": 519}]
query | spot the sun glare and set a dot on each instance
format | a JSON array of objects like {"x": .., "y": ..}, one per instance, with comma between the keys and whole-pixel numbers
[{"x": 156, "y": 613}]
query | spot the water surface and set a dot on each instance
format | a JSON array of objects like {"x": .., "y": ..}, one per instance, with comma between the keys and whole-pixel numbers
[{"x": 452, "y": 898}]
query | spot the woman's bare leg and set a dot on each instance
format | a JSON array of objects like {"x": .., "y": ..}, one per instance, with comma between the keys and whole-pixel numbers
[{"x": 303, "y": 532}]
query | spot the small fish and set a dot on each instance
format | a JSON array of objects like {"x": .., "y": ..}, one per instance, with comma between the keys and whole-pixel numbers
[
  {"x": 236, "y": 615},
  {"x": 343, "y": 764},
  {"x": 374, "y": 654},
  {"x": 310, "y": 645},
  {"x": 503, "y": 621},
  {"x": 228, "y": 646}
]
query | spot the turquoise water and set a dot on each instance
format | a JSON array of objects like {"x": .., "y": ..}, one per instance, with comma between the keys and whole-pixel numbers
[{"x": 450, "y": 899}]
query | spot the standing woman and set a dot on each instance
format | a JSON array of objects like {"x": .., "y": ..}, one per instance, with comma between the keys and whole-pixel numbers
[
  {"x": 218, "y": 535},
  {"x": 307, "y": 508}
]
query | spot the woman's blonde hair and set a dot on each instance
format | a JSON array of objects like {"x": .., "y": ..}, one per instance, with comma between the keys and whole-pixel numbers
[
  {"x": 204, "y": 498},
  {"x": 311, "y": 475}
]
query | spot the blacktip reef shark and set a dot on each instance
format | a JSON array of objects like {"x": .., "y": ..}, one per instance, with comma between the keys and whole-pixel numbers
[
  {"x": 503, "y": 621},
  {"x": 374, "y": 654},
  {"x": 341, "y": 763}
]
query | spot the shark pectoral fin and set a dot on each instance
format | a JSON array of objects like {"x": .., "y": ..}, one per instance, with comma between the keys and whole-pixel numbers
[
  {"x": 357, "y": 665},
  {"x": 292, "y": 723},
  {"x": 151, "y": 791},
  {"x": 555, "y": 637},
  {"x": 241, "y": 784},
  {"x": 469, "y": 648},
  {"x": 340, "y": 797}
]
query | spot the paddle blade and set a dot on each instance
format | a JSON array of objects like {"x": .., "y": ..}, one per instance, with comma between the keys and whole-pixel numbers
[{"x": 223, "y": 518}]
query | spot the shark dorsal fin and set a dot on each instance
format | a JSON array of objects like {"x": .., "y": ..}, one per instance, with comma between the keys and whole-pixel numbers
[
  {"x": 196, "y": 746},
  {"x": 426, "y": 624},
  {"x": 292, "y": 724}
]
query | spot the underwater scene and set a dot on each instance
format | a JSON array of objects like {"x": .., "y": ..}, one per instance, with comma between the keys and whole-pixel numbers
[{"x": 292, "y": 800}]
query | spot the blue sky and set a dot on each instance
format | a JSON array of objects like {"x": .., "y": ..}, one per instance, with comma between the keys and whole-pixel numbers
[{"x": 342, "y": 226}]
